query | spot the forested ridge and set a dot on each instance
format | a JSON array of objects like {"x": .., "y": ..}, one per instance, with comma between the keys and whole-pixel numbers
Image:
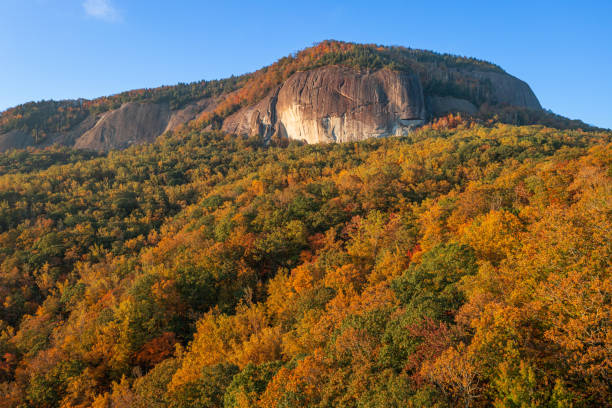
[
  {"x": 440, "y": 74},
  {"x": 45, "y": 117},
  {"x": 55, "y": 116},
  {"x": 467, "y": 264}
]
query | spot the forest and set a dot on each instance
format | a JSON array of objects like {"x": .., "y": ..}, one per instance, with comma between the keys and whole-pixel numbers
[{"x": 466, "y": 264}]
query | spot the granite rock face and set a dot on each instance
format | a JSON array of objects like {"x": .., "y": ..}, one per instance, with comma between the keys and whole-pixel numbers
[
  {"x": 322, "y": 105},
  {"x": 20, "y": 140},
  {"x": 15, "y": 139},
  {"x": 131, "y": 123},
  {"x": 442, "y": 105},
  {"x": 259, "y": 119},
  {"x": 334, "y": 104},
  {"x": 507, "y": 89},
  {"x": 190, "y": 112},
  {"x": 135, "y": 123},
  {"x": 337, "y": 104}
]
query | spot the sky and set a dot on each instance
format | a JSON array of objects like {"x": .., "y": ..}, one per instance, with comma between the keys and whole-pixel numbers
[{"x": 63, "y": 49}]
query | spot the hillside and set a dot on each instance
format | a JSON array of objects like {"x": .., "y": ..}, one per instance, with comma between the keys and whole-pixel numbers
[
  {"x": 463, "y": 264},
  {"x": 343, "y": 91},
  {"x": 211, "y": 245}
]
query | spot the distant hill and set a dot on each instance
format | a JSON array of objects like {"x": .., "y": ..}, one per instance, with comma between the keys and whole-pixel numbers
[{"x": 333, "y": 91}]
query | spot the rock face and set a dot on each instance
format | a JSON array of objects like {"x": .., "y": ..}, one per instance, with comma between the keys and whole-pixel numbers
[
  {"x": 20, "y": 140},
  {"x": 442, "y": 105},
  {"x": 327, "y": 104},
  {"x": 135, "y": 123},
  {"x": 259, "y": 119},
  {"x": 120, "y": 128},
  {"x": 507, "y": 89},
  {"x": 335, "y": 104},
  {"x": 190, "y": 112},
  {"x": 15, "y": 139},
  {"x": 132, "y": 123}
]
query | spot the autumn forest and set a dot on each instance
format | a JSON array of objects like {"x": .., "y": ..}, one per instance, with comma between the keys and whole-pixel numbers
[{"x": 466, "y": 264}]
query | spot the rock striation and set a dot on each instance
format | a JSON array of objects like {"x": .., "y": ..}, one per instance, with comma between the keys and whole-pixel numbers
[
  {"x": 135, "y": 123},
  {"x": 131, "y": 123},
  {"x": 335, "y": 104},
  {"x": 339, "y": 104}
]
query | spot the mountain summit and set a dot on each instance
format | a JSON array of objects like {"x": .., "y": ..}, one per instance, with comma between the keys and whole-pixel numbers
[{"x": 331, "y": 92}]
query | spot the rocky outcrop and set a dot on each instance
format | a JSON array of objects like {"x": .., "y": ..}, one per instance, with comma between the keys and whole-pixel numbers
[
  {"x": 135, "y": 123},
  {"x": 340, "y": 105},
  {"x": 20, "y": 140},
  {"x": 259, "y": 119},
  {"x": 442, "y": 105},
  {"x": 334, "y": 104},
  {"x": 327, "y": 104},
  {"x": 190, "y": 112},
  {"x": 15, "y": 139},
  {"x": 507, "y": 89},
  {"x": 130, "y": 124}
]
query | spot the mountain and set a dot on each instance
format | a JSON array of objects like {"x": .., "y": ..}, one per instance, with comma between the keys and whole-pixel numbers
[
  {"x": 339, "y": 104},
  {"x": 464, "y": 263},
  {"x": 334, "y": 91}
]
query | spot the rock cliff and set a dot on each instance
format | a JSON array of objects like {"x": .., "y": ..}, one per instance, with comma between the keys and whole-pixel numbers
[
  {"x": 339, "y": 104},
  {"x": 120, "y": 128},
  {"x": 379, "y": 92},
  {"x": 135, "y": 123},
  {"x": 132, "y": 123},
  {"x": 335, "y": 104},
  {"x": 506, "y": 89}
]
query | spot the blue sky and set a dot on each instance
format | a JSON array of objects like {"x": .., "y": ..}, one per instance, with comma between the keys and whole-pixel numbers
[{"x": 56, "y": 49}]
